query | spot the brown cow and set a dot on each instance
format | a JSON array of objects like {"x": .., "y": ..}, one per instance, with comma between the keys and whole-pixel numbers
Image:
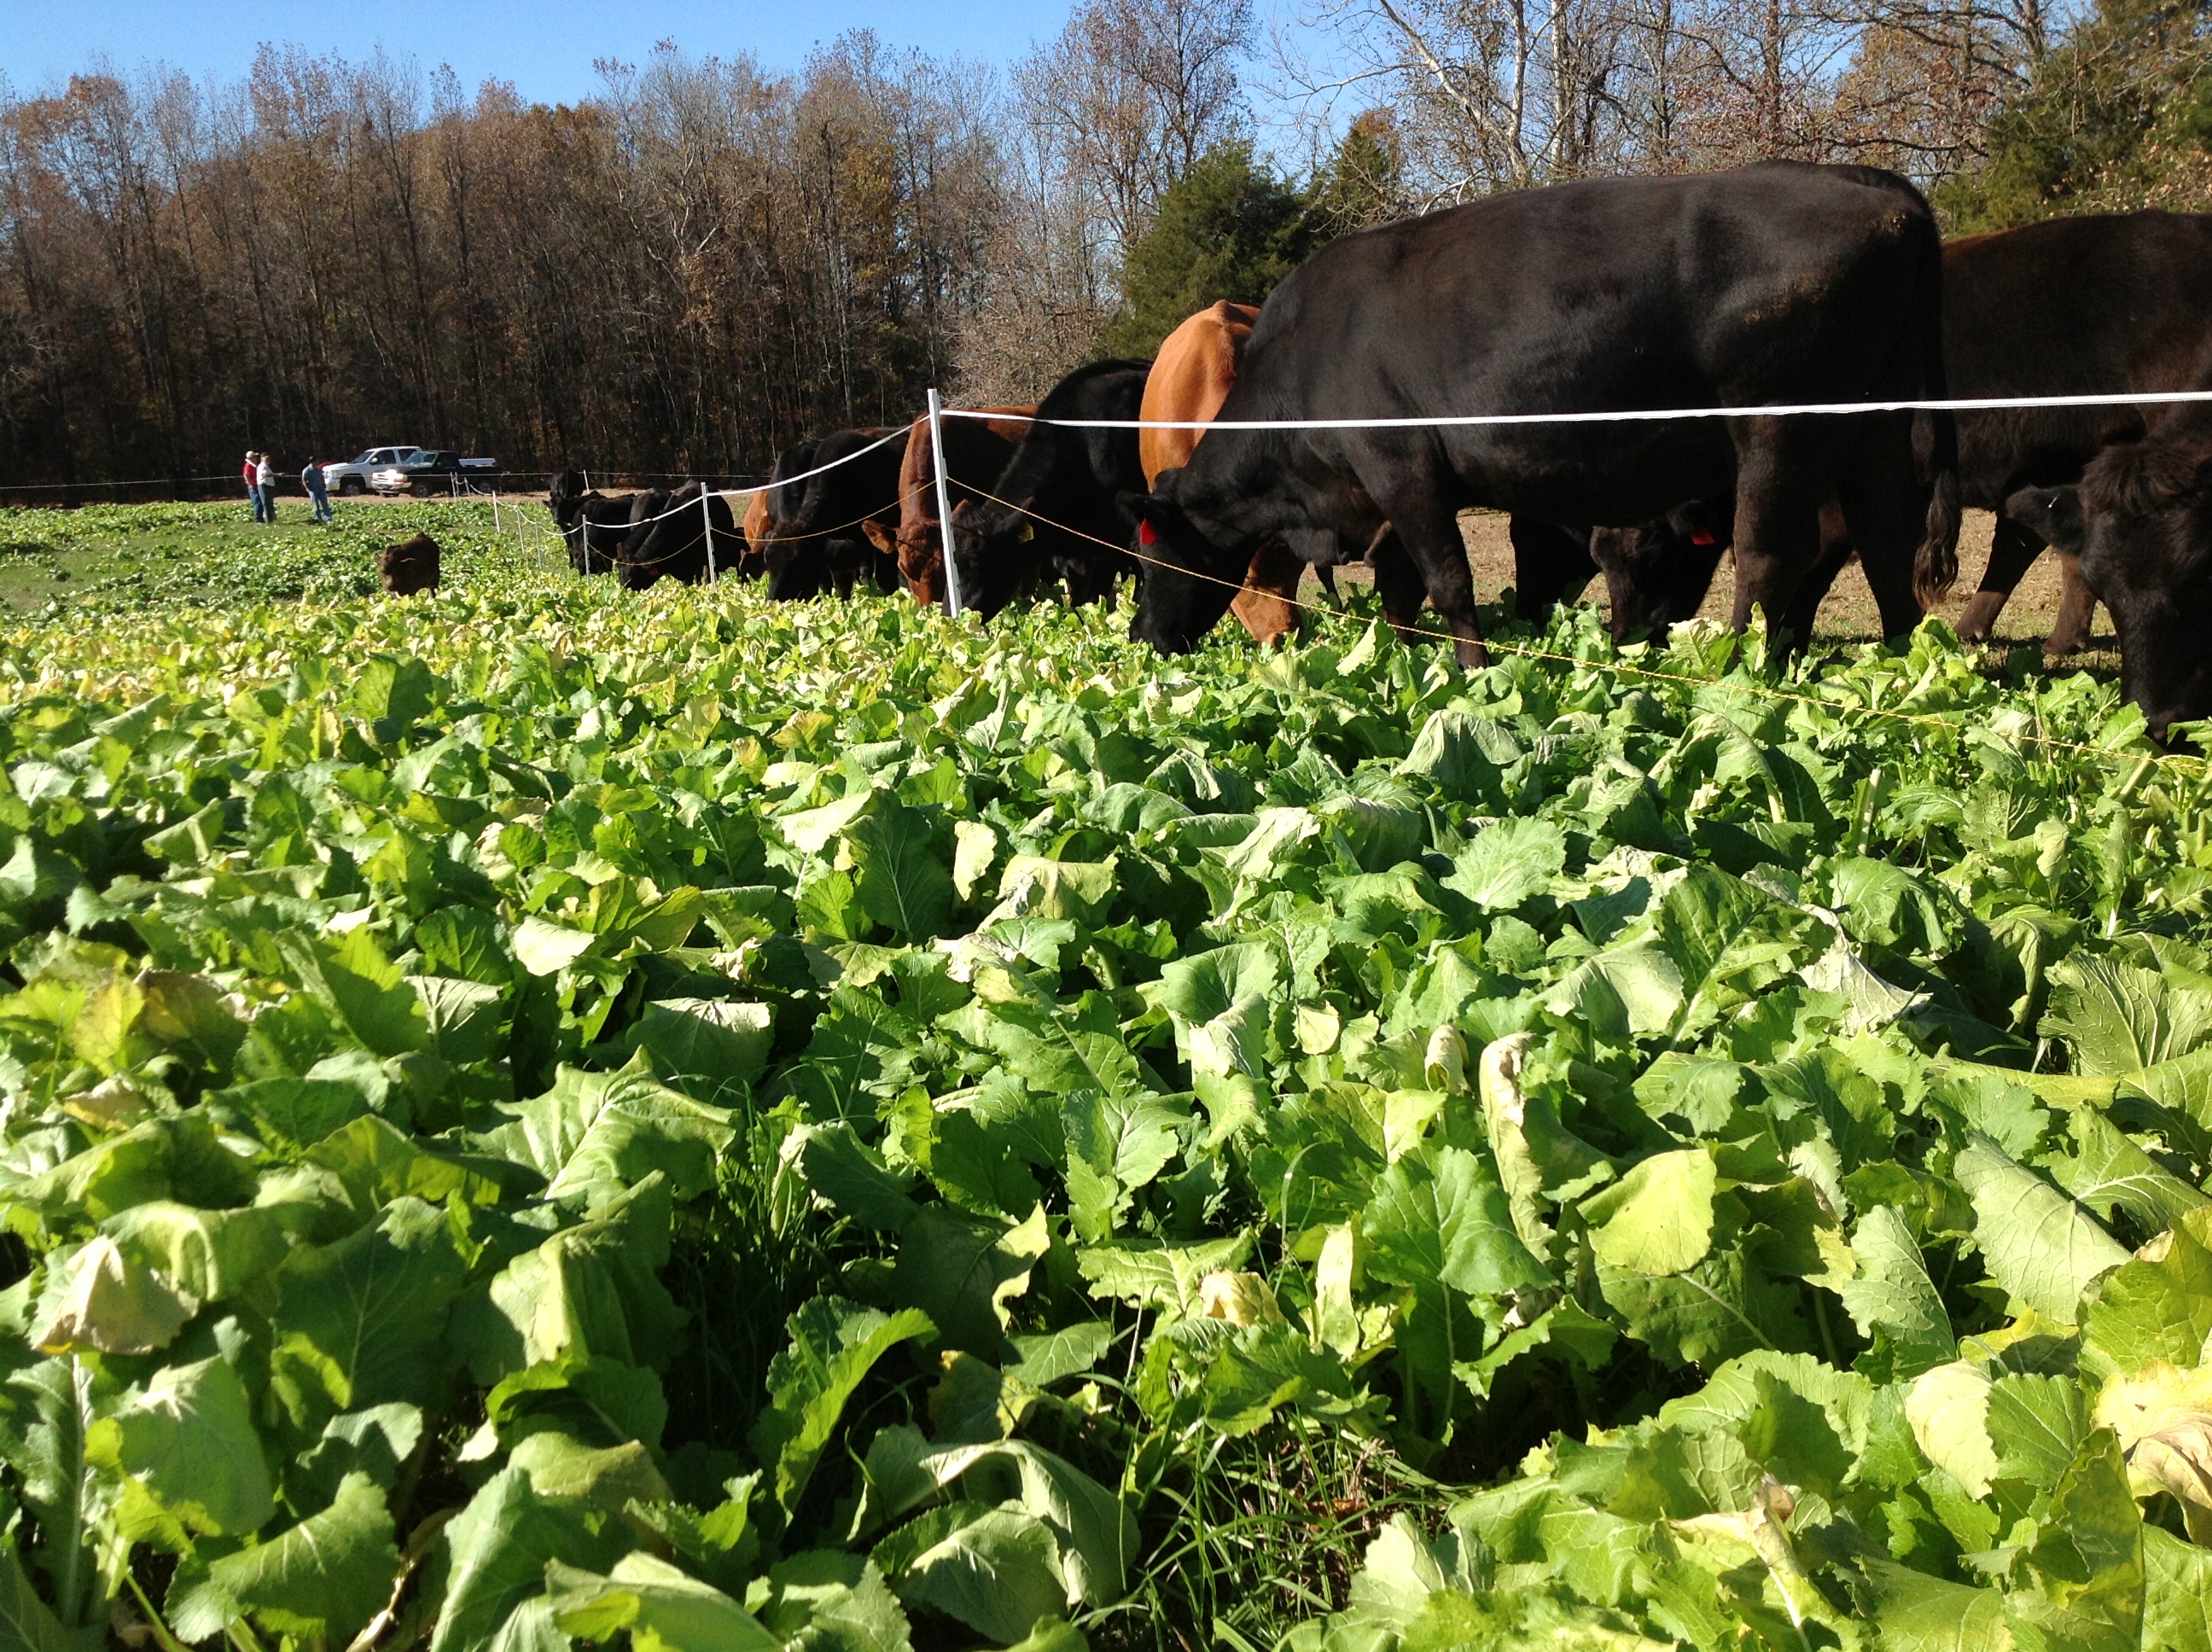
[
  {"x": 1190, "y": 380},
  {"x": 976, "y": 452},
  {"x": 409, "y": 567}
]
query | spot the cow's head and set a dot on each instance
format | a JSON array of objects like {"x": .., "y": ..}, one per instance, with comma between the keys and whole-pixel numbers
[
  {"x": 1190, "y": 569},
  {"x": 1658, "y": 572},
  {"x": 995, "y": 552},
  {"x": 2140, "y": 527},
  {"x": 913, "y": 550},
  {"x": 564, "y": 497}
]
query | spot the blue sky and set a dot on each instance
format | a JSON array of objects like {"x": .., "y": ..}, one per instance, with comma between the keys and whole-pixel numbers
[{"x": 545, "y": 47}]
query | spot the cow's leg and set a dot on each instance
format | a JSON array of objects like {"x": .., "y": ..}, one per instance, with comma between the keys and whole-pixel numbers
[
  {"x": 1837, "y": 549},
  {"x": 1326, "y": 572},
  {"x": 1886, "y": 504},
  {"x": 2077, "y": 608},
  {"x": 2013, "y": 552},
  {"x": 1552, "y": 564},
  {"x": 1428, "y": 526},
  {"x": 1777, "y": 519},
  {"x": 1398, "y": 583}
]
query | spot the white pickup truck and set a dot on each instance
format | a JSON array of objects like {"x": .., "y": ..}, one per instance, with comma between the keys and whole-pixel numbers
[{"x": 404, "y": 466}]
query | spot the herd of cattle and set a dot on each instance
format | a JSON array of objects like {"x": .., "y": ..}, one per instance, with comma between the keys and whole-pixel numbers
[{"x": 1778, "y": 284}]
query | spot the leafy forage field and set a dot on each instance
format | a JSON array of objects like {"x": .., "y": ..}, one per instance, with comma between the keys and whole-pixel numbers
[{"x": 538, "y": 1113}]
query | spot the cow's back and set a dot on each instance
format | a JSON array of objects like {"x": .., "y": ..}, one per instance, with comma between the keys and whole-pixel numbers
[
  {"x": 1190, "y": 378},
  {"x": 2071, "y": 307}
]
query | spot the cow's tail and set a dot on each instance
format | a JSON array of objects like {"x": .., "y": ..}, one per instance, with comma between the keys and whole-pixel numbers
[{"x": 1936, "y": 452}]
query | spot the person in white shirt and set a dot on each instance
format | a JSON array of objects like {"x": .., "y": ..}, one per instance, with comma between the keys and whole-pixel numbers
[{"x": 264, "y": 477}]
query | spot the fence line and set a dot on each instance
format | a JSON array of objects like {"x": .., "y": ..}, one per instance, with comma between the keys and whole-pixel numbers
[{"x": 1623, "y": 415}]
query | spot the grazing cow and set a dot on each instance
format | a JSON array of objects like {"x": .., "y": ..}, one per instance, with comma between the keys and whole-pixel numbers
[
  {"x": 594, "y": 524},
  {"x": 409, "y": 566},
  {"x": 2139, "y": 528},
  {"x": 976, "y": 452},
  {"x": 778, "y": 497},
  {"x": 1782, "y": 281},
  {"x": 1058, "y": 479},
  {"x": 675, "y": 544},
  {"x": 818, "y": 543},
  {"x": 1192, "y": 375},
  {"x": 1196, "y": 368},
  {"x": 2071, "y": 306}
]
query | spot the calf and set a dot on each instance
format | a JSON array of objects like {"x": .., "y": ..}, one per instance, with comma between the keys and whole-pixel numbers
[
  {"x": 1778, "y": 283},
  {"x": 976, "y": 452},
  {"x": 2139, "y": 528},
  {"x": 409, "y": 566},
  {"x": 1059, "y": 485},
  {"x": 819, "y": 544}
]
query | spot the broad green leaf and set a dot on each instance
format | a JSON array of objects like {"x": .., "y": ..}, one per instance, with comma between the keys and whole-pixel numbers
[
  {"x": 711, "y": 1040},
  {"x": 187, "y": 1443},
  {"x": 834, "y": 1345},
  {"x": 496, "y": 1551},
  {"x": 362, "y": 1318},
  {"x": 325, "y": 1577},
  {"x": 901, "y": 883},
  {"x": 1509, "y": 862},
  {"x": 208, "y": 1255},
  {"x": 997, "y": 1571},
  {"x": 594, "y": 1133},
  {"x": 101, "y": 1300},
  {"x": 1439, "y": 1214},
  {"x": 1892, "y": 1293},
  {"x": 663, "y": 1608},
  {"x": 1164, "y": 1277},
  {"x": 544, "y": 947},
  {"x": 2041, "y": 1247},
  {"x": 2177, "y": 1593},
  {"x": 28, "y": 1624},
  {"x": 2120, "y": 1018},
  {"x": 1658, "y": 1218},
  {"x": 377, "y": 1164},
  {"x": 961, "y": 1271},
  {"x": 1920, "y": 1613},
  {"x": 1116, "y": 1144},
  {"x": 2158, "y": 1304},
  {"x": 1948, "y": 1409}
]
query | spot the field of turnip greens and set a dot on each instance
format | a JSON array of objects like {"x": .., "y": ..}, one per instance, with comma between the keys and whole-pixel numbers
[{"x": 536, "y": 1113}]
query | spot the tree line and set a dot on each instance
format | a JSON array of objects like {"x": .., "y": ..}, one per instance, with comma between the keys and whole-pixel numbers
[{"x": 706, "y": 260}]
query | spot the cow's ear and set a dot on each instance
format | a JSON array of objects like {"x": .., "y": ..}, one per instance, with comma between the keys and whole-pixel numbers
[
  {"x": 2052, "y": 514},
  {"x": 879, "y": 537}
]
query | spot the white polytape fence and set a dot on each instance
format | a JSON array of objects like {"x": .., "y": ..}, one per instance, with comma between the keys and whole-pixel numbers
[{"x": 1788, "y": 409}]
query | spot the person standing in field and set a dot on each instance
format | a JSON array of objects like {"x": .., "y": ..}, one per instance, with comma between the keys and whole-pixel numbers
[
  {"x": 250, "y": 472},
  {"x": 318, "y": 490},
  {"x": 265, "y": 478}
]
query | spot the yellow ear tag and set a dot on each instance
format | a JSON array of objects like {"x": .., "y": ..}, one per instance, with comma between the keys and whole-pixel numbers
[{"x": 1028, "y": 532}]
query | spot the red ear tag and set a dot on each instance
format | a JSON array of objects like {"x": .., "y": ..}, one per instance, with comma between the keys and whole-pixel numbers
[
  {"x": 1147, "y": 533},
  {"x": 1702, "y": 537}
]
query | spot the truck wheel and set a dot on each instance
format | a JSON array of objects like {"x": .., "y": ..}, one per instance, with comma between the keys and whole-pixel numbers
[
  {"x": 348, "y": 486},
  {"x": 420, "y": 489}
]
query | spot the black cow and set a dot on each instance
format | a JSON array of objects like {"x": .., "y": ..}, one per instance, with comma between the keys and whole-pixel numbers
[
  {"x": 1778, "y": 283},
  {"x": 594, "y": 524},
  {"x": 1058, "y": 479},
  {"x": 2139, "y": 527},
  {"x": 778, "y": 497},
  {"x": 820, "y": 544},
  {"x": 2074, "y": 306},
  {"x": 676, "y": 543}
]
